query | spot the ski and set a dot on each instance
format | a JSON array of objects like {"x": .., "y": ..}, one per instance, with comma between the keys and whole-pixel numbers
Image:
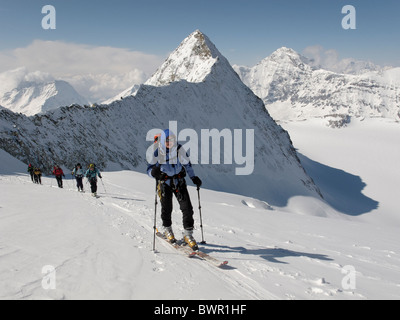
[
  {"x": 212, "y": 260},
  {"x": 187, "y": 251},
  {"x": 178, "y": 246}
]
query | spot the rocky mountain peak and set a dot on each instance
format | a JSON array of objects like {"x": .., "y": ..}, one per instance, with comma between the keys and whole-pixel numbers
[{"x": 193, "y": 60}]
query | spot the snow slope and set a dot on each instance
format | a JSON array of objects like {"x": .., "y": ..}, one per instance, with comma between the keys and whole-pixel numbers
[
  {"x": 32, "y": 98},
  {"x": 356, "y": 168},
  {"x": 101, "y": 248}
]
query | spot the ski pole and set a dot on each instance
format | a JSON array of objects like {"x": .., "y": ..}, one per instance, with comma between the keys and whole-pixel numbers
[
  {"x": 201, "y": 218},
  {"x": 101, "y": 179},
  {"x": 155, "y": 218},
  {"x": 72, "y": 179}
]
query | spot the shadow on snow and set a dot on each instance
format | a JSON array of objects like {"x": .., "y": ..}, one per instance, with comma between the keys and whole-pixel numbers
[
  {"x": 341, "y": 190},
  {"x": 270, "y": 254}
]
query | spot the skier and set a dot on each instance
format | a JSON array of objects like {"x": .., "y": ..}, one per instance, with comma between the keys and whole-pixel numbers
[
  {"x": 92, "y": 174},
  {"x": 79, "y": 173},
  {"x": 30, "y": 170},
  {"x": 157, "y": 140},
  {"x": 170, "y": 170},
  {"x": 37, "y": 176},
  {"x": 58, "y": 172}
]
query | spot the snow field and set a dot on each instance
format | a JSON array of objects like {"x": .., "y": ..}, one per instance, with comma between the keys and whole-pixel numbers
[{"x": 101, "y": 248}]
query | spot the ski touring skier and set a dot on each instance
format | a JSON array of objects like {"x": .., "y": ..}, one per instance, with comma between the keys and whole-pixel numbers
[
  {"x": 92, "y": 173},
  {"x": 30, "y": 171},
  {"x": 37, "y": 176},
  {"x": 171, "y": 166},
  {"x": 79, "y": 173},
  {"x": 58, "y": 172}
]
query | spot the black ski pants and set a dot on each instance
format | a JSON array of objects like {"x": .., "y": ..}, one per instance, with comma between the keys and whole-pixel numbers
[
  {"x": 184, "y": 203},
  {"x": 93, "y": 185},
  {"x": 79, "y": 183},
  {"x": 37, "y": 178},
  {"x": 59, "y": 181}
]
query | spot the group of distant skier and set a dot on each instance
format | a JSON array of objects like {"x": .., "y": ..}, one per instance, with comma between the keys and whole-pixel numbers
[
  {"x": 36, "y": 174},
  {"x": 91, "y": 174}
]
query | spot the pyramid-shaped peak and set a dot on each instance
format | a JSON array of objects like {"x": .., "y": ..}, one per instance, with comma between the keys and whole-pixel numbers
[
  {"x": 199, "y": 44},
  {"x": 192, "y": 61}
]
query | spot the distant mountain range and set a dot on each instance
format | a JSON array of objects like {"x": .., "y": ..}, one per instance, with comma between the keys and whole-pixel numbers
[
  {"x": 32, "y": 98},
  {"x": 293, "y": 88}
]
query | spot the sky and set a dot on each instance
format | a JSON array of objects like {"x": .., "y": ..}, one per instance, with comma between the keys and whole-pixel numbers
[{"x": 129, "y": 37}]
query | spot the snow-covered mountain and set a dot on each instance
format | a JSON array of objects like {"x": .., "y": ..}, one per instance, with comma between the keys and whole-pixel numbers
[
  {"x": 191, "y": 61},
  {"x": 197, "y": 88},
  {"x": 32, "y": 98},
  {"x": 194, "y": 60},
  {"x": 293, "y": 89}
]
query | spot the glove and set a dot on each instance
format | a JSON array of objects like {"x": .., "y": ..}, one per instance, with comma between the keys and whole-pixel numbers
[
  {"x": 100, "y": 177},
  {"x": 197, "y": 181},
  {"x": 156, "y": 172}
]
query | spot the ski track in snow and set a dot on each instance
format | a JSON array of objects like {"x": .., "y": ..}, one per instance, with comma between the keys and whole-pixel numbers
[
  {"x": 141, "y": 236},
  {"x": 132, "y": 220},
  {"x": 114, "y": 260},
  {"x": 237, "y": 282}
]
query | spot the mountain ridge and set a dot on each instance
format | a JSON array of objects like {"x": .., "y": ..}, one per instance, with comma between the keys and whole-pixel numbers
[{"x": 293, "y": 89}]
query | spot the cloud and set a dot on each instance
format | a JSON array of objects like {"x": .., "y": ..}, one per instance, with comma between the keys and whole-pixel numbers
[
  {"x": 11, "y": 79},
  {"x": 321, "y": 57},
  {"x": 95, "y": 72},
  {"x": 329, "y": 60},
  {"x": 100, "y": 87}
]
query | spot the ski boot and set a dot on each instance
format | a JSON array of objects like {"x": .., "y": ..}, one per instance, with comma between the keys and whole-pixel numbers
[
  {"x": 188, "y": 238},
  {"x": 169, "y": 234}
]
